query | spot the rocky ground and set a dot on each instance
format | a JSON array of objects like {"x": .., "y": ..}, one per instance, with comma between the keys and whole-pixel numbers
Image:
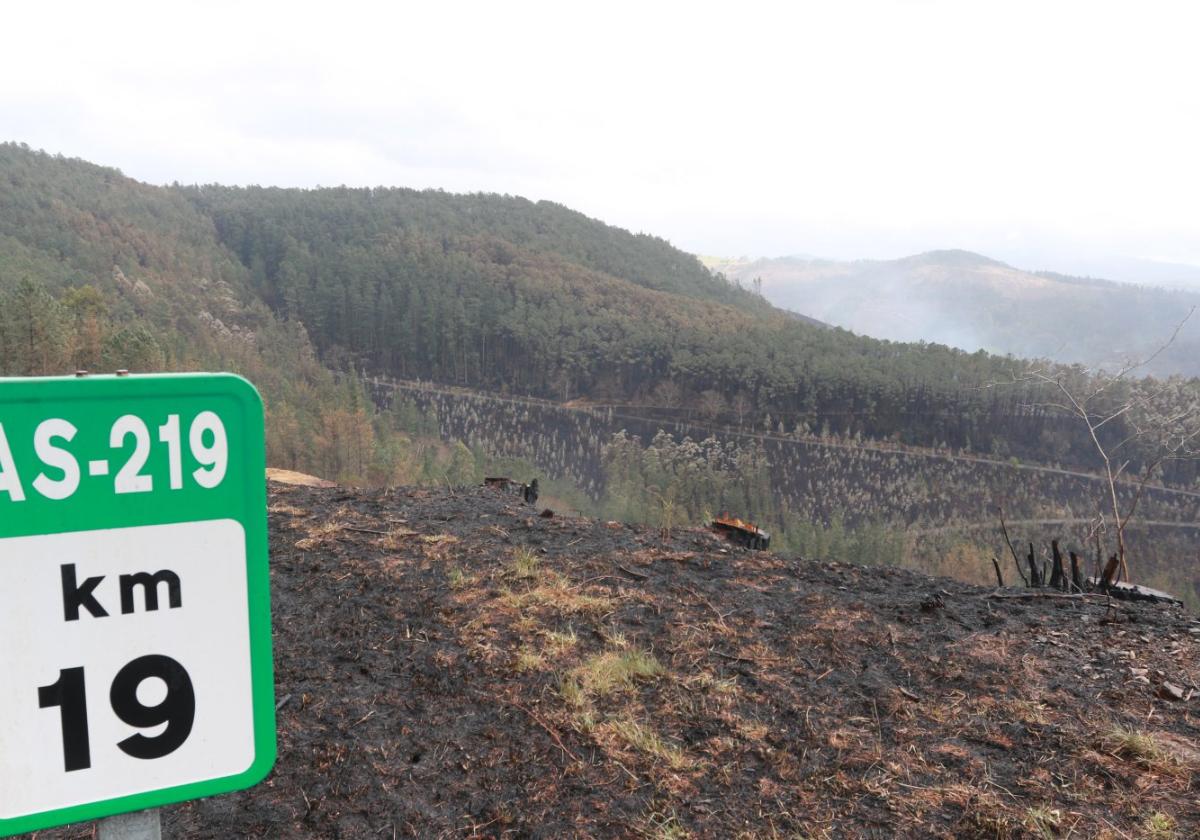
[{"x": 452, "y": 664}]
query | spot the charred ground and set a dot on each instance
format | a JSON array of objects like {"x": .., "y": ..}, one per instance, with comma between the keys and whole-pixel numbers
[{"x": 451, "y": 664}]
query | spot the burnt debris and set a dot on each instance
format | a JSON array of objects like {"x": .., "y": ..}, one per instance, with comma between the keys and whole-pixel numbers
[
  {"x": 528, "y": 492},
  {"x": 742, "y": 533}
]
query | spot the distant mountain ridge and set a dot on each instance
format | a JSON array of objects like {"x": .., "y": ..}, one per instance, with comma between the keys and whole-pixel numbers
[{"x": 973, "y": 302}]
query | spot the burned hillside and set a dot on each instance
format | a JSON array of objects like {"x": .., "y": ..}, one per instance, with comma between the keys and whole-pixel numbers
[
  {"x": 868, "y": 501},
  {"x": 453, "y": 664}
]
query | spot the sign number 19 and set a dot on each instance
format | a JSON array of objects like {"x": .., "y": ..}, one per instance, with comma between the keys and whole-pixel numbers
[{"x": 177, "y": 709}]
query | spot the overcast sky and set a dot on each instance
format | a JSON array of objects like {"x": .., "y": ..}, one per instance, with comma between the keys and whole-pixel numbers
[{"x": 1068, "y": 130}]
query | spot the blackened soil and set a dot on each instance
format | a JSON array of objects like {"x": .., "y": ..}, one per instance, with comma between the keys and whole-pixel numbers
[{"x": 451, "y": 664}]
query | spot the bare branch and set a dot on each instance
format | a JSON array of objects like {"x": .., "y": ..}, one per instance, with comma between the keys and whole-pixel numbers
[
  {"x": 1152, "y": 416},
  {"x": 1161, "y": 349},
  {"x": 1013, "y": 551}
]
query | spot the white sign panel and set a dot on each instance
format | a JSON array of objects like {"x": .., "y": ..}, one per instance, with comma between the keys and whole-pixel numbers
[{"x": 127, "y": 663}]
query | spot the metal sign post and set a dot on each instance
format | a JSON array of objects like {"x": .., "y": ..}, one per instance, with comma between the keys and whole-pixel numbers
[
  {"x": 134, "y": 602},
  {"x": 141, "y": 825}
]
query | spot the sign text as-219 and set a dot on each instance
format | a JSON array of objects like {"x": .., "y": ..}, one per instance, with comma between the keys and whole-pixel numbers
[{"x": 207, "y": 441}]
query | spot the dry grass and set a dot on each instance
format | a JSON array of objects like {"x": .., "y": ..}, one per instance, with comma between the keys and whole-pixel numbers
[
  {"x": 664, "y": 827},
  {"x": 1139, "y": 747},
  {"x": 524, "y": 564},
  {"x": 559, "y": 642},
  {"x": 613, "y": 671},
  {"x": 318, "y": 535},
  {"x": 572, "y": 692},
  {"x": 529, "y": 660},
  {"x": 558, "y": 594},
  {"x": 602, "y": 675},
  {"x": 286, "y": 510},
  {"x": 997, "y": 826},
  {"x": 646, "y": 740},
  {"x": 458, "y": 579},
  {"x": 526, "y": 625},
  {"x": 707, "y": 683},
  {"x": 1159, "y": 826},
  {"x": 1043, "y": 822},
  {"x": 396, "y": 538},
  {"x": 616, "y": 639}
]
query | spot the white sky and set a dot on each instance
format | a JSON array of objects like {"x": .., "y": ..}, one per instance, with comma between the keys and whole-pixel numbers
[{"x": 1068, "y": 129}]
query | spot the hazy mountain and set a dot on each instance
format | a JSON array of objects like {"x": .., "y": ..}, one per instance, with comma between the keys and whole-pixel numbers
[
  {"x": 972, "y": 302},
  {"x": 1122, "y": 269}
]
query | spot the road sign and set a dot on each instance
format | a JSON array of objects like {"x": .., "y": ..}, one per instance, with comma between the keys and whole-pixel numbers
[{"x": 135, "y": 627}]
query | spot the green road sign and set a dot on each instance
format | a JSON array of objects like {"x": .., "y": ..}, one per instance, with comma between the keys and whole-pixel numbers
[{"x": 135, "y": 623}]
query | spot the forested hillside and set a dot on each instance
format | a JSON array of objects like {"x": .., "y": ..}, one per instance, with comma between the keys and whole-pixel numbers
[
  {"x": 99, "y": 272},
  {"x": 485, "y": 291},
  {"x": 501, "y": 294},
  {"x": 498, "y": 292},
  {"x": 310, "y": 292}
]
